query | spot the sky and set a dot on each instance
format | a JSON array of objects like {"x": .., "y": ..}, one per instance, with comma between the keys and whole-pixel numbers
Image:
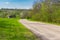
[{"x": 19, "y": 4}]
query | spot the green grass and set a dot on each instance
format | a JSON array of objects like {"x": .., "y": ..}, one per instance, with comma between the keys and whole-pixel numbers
[
  {"x": 45, "y": 22},
  {"x": 11, "y": 29}
]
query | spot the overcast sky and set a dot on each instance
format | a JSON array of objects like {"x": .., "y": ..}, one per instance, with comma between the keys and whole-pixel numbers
[{"x": 23, "y": 4}]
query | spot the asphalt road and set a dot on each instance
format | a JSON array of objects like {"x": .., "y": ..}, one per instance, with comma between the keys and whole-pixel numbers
[{"x": 43, "y": 30}]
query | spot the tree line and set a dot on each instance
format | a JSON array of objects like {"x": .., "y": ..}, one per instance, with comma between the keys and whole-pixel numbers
[
  {"x": 46, "y": 11},
  {"x": 12, "y": 13}
]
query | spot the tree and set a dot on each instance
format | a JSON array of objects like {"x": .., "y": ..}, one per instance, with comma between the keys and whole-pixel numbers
[{"x": 48, "y": 11}]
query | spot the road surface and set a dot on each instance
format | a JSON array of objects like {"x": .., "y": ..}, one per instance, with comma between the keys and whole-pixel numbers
[{"x": 43, "y": 30}]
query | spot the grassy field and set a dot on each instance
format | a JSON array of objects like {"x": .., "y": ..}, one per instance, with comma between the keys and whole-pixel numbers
[{"x": 11, "y": 29}]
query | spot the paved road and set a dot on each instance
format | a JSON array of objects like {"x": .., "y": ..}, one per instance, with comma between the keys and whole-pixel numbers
[{"x": 43, "y": 30}]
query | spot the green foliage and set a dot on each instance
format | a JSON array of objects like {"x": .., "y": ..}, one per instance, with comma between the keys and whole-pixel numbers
[
  {"x": 13, "y": 13},
  {"x": 49, "y": 11},
  {"x": 6, "y": 13}
]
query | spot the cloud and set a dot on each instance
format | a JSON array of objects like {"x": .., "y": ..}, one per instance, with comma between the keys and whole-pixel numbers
[{"x": 7, "y": 2}]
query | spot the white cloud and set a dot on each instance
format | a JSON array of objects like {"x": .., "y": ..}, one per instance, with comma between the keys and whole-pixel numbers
[{"x": 7, "y": 2}]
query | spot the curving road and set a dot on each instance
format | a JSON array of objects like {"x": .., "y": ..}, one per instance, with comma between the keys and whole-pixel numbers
[{"x": 43, "y": 30}]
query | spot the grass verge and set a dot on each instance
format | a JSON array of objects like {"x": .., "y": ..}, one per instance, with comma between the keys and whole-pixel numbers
[
  {"x": 45, "y": 22},
  {"x": 11, "y": 29}
]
